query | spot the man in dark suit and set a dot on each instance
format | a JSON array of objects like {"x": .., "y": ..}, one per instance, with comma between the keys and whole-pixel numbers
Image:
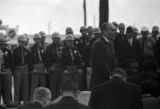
[
  {"x": 116, "y": 93},
  {"x": 69, "y": 93},
  {"x": 42, "y": 98},
  {"x": 103, "y": 55},
  {"x": 130, "y": 47}
]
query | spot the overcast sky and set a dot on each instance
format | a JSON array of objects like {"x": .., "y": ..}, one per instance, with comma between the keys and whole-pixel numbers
[{"x": 33, "y": 15}]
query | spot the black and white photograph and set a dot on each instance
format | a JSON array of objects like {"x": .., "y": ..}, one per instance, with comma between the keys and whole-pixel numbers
[{"x": 79, "y": 54}]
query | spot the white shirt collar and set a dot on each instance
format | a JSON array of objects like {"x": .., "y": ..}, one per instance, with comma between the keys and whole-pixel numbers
[{"x": 108, "y": 41}]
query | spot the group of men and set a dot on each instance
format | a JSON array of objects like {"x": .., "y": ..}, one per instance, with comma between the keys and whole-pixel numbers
[
  {"x": 42, "y": 64},
  {"x": 49, "y": 66}
]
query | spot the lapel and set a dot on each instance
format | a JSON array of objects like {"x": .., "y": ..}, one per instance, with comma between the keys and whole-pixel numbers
[{"x": 108, "y": 48}]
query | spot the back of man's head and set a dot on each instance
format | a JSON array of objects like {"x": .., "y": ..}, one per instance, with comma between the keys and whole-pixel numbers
[
  {"x": 119, "y": 72},
  {"x": 42, "y": 95},
  {"x": 69, "y": 88}
]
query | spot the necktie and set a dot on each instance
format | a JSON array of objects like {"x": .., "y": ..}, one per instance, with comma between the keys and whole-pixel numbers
[
  {"x": 57, "y": 50},
  {"x": 71, "y": 53},
  {"x": 39, "y": 55},
  {"x": 22, "y": 56}
]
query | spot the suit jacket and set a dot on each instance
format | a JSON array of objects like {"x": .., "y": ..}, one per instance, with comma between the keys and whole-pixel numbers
[
  {"x": 67, "y": 103},
  {"x": 129, "y": 52},
  {"x": 116, "y": 94},
  {"x": 34, "y": 105},
  {"x": 103, "y": 61}
]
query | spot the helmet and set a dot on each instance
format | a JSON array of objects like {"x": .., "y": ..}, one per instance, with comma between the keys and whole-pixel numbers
[
  {"x": 144, "y": 29},
  {"x": 121, "y": 25},
  {"x": 135, "y": 29},
  {"x": 22, "y": 38},
  {"x": 90, "y": 29},
  {"x": 69, "y": 30},
  {"x": 155, "y": 28},
  {"x": 37, "y": 36},
  {"x": 42, "y": 34},
  {"x": 69, "y": 37},
  {"x": 96, "y": 30},
  {"x": 82, "y": 28},
  {"x": 55, "y": 35}
]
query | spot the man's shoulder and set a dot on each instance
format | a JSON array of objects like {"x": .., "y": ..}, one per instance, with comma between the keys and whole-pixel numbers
[
  {"x": 33, "y": 105},
  {"x": 64, "y": 105}
]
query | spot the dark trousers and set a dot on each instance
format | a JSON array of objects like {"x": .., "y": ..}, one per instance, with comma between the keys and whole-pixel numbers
[
  {"x": 21, "y": 84},
  {"x": 55, "y": 81},
  {"x": 37, "y": 79},
  {"x": 5, "y": 88}
]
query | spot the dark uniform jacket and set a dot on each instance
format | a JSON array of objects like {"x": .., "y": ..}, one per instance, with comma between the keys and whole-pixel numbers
[
  {"x": 71, "y": 57},
  {"x": 53, "y": 54},
  {"x": 37, "y": 56},
  {"x": 103, "y": 61},
  {"x": 20, "y": 56},
  {"x": 7, "y": 59},
  {"x": 116, "y": 94},
  {"x": 84, "y": 49},
  {"x": 67, "y": 103}
]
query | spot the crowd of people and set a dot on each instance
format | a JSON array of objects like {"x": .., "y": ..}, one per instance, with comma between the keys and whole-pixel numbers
[{"x": 123, "y": 68}]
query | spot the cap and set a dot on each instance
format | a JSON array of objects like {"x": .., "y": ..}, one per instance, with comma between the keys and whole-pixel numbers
[
  {"x": 121, "y": 25},
  {"x": 37, "y": 36},
  {"x": 90, "y": 29},
  {"x": 55, "y": 35},
  {"x": 144, "y": 29},
  {"x": 69, "y": 30},
  {"x": 22, "y": 38},
  {"x": 42, "y": 34},
  {"x": 129, "y": 29},
  {"x": 82, "y": 28},
  {"x": 69, "y": 37},
  {"x": 96, "y": 30},
  {"x": 3, "y": 40},
  {"x": 155, "y": 28}
]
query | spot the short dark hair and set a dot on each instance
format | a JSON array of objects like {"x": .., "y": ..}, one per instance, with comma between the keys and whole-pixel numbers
[
  {"x": 119, "y": 71},
  {"x": 69, "y": 86}
]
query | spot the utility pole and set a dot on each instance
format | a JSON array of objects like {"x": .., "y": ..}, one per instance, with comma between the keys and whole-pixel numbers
[
  {"x": 103, "y": 11},
  {"x": 85, "y": 12}
]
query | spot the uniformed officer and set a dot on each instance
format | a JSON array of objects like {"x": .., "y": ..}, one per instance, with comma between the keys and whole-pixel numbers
[
  {"x": 85, "y": 53},
  {"x": 37, "y": 65},
  {"x": 54, "y": 57},
  {"x": 5, "y": 71},
  {"x": 43, "y": 39},
  {"x": 71, "y": 58},
  {"x": 20, "y": 65}
]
